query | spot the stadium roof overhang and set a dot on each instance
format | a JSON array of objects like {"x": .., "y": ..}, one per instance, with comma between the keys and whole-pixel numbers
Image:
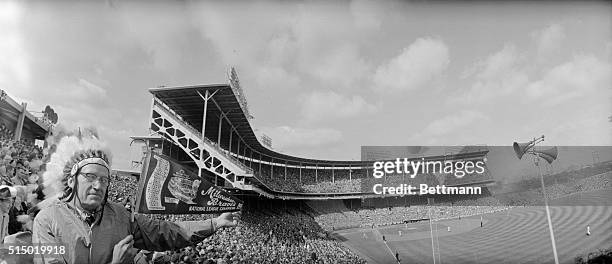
[
  {"x": 188, "y": 103},
  {"x": 11, "y": 110},
  {"x": 38, "y": 131}
]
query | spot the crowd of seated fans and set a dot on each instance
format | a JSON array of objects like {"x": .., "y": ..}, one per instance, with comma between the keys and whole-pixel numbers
[
  {"x": 268, "y": 235},
  {"x": 338, "y": 216},
  {"x": 20, "y": 160},
  {"x": 308, "y": 180},
  {"x": 272, "y": 236},
  {"x": 381, "y": 216},
  {"x": 338, "y": 186},
  {"x": 534, "y": 196},
  {"x": 278, "y": 179},
  {"x": 265, "y": 236},
  {"x": 20, "y": 165}
]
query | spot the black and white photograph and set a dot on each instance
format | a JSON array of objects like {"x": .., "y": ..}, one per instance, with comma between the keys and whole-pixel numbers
[{"x": 308, "y": 132}]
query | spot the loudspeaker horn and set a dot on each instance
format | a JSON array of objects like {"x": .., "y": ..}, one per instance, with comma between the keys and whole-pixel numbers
[
  {"x": 521, "y": 148},
  {"x": 548, "y": 154}
]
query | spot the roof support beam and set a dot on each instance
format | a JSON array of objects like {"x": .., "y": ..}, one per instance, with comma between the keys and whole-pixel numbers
[
  {"x": 234, "y": 127},
  {"x": 20, "y": 121},
  {"x": 230, "y": 143},
  {"x": 207, "y": 96},
  {"x": 219, "y": 131}
]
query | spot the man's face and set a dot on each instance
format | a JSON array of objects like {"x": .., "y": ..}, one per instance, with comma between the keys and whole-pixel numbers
[
  {"x": 22, "y": 172},
  {"x": 93, "y": 182},
  {"x": 5, "y": 205}
]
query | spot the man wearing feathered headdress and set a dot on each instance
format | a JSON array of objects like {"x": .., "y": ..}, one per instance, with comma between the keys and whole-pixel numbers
[{"x": 92, "y": 229}]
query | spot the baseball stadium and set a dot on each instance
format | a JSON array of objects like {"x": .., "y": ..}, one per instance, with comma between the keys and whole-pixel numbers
[
  {"x": 339, "y": 218},
  {"x": 302, "y": 210}
]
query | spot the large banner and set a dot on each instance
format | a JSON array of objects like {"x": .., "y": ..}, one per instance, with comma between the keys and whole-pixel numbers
[{"x": 167, "y": 187}]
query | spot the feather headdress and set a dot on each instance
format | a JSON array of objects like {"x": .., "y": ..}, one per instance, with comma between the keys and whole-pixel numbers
[{"x": 71, "y": 152}]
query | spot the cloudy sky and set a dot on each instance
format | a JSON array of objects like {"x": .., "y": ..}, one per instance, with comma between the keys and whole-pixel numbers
[{"x": 322, "y": 78}]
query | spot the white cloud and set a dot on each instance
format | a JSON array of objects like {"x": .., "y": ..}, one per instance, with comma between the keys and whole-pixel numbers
[
  {"x": 287, "y": 137},
  {"x": 119, "y": 138},
  {"x": 451, "y": 123},
  {"x": 414, "y": 67},
  {"x": 281, "y": 49},
  {"x": 318, "y": 41},
  {"x": 78, "y": 104},
  {"x": 330, "y": 105},
  {"x": 239, "y": 32},
  {"x": 276, "y": 78},
  {"x": 162, "y": 38},
  {"x": 582, "y": 76},
  {"x": 367, "y": 14},
  {"x": 593, "y": 129},
  {"x": 88, "y": 90},
  {"x": 343, "y": 67},
  {"x": 499, "y": 74},
  {"x": 451, "y": 129},
  {"x": 75, "y": 96},
  {"x": 549, "y": 40},
  {"x": 14, "y": 62},
  {"x": 497, "y": 64}
]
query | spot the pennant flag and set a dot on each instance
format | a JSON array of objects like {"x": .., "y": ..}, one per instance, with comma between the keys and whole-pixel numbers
[{"x": 167, "y": 187}]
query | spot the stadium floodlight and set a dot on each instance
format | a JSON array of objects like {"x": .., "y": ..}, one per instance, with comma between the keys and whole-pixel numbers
[{"x": 549, "y": 155}]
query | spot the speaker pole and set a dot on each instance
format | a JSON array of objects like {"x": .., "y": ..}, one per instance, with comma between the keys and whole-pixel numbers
[
  {"x": 550, "y": 227},
  {"x": 549, "y": 156}
]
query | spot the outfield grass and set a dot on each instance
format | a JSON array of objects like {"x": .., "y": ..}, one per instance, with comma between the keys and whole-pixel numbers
[{"x": 519, "y": 235}]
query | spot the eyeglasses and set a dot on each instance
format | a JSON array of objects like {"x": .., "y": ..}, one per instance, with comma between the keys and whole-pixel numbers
[{"x": 90, "y": 177}]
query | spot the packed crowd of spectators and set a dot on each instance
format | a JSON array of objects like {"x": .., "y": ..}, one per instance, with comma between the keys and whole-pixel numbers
[
  {"x": 265, "y": 236},
  {"x": 20, "y": 160},
  {"x": 553, "y": 191},
  {"x": 20, "y": 165},
  {"x": 342, "y": 217},
  {"x": 308, "y": 180},
  {"x": 268, "y": 235},
  {"x": 122, "y": 188},
  {"x": 278, "y": 179},
  {"x": 338, "y": 186}
]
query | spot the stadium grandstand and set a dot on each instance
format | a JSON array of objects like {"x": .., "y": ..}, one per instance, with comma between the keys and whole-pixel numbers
[{"x": 208, "y": 128}]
